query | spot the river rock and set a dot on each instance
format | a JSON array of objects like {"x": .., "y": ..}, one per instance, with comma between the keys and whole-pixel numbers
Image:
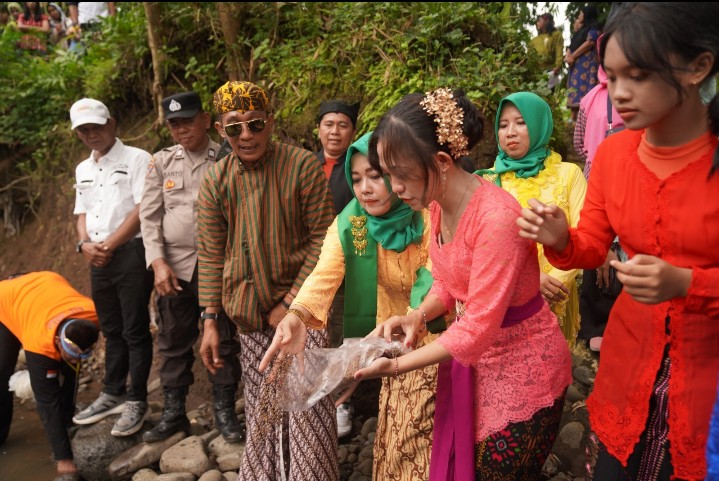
[
  {"x": 584, "y": 375},
  {"x": 369, "y": 426},
  {"x": 229, "y": 462},
  {"x": 94, "y": 448},
  {"x": 187, "y": 456},
  {"x": 574, "y": 394},
  {"x": 213, "y": 475},
  {"x": 209, "y": 436},
  {"x": 176, "y": 477},
  {"x": 144, "y": 475},
  {"x": 230, "y": 476},
  {"x": 140, "y": 456},
  {"x": 219, "y": 447}
]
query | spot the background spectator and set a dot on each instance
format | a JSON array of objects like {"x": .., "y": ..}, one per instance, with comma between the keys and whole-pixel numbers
[
  {"x": 582, "y": 57},
  {"x": 15, "y": 10},
  {"x": 527, "y": 168},
  {"x": 591, "y": 129},
  {"x": 549, "y": 44},
  {"x": 62, "y": 31},
  {"x": 109, "y": 186},
  {"x": 36, "y": 25},
  {"x": 337, "y": 127}
]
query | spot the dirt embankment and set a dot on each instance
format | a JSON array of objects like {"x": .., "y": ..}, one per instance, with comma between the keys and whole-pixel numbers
[{"x": 46, "y": 241}]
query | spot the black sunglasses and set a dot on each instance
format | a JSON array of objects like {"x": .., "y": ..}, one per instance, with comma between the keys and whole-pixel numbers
[{"x": 255, "y": 125}]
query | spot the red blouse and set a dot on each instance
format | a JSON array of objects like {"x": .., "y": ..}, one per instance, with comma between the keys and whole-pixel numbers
[
  {"x": 677, "y": 219},
  {"x": 33, "y": 40}
]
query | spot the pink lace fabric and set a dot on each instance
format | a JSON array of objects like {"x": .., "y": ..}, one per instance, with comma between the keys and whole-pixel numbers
[{"x": 488, "y": 267}]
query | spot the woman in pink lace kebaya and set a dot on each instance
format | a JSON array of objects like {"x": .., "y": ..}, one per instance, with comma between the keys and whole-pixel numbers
[{"x": 503, "y": 361}]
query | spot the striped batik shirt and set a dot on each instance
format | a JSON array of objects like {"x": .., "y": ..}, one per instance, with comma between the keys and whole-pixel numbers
[{"x": 260, "y": 230}]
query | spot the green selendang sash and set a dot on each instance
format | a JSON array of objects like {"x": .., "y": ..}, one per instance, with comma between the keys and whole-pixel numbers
[{"x": 360, "y": 251}]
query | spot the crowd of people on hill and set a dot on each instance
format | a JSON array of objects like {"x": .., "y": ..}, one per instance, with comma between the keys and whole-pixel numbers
[
  {"x": 271, "y": 250},
  {"x": 47, "y": 25}
]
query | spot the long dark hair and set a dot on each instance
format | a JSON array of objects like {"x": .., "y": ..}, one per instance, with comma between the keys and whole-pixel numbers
[
  {"x": 548, "y": 23},
  {"x": 591, "y": 21},
  {"x": 408, "y": 132},
  {"x": 649, "y": 33},
  {"x": 36, "y": 15}
]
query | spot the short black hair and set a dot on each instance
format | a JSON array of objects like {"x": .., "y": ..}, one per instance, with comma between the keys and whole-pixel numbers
[{"x": 82, "y": 332}]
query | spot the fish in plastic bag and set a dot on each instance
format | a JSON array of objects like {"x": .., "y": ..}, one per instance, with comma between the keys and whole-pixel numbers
[{"x": 329, "y": 370}]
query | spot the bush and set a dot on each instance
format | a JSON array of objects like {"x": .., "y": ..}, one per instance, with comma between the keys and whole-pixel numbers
[{"x": 301, "y": 52}]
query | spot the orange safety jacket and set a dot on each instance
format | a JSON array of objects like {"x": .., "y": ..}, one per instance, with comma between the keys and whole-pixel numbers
[{"x": 33, "y": 305}]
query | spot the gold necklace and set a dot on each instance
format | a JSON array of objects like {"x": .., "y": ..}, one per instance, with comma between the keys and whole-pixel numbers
[{"x": 456, "y": 212}]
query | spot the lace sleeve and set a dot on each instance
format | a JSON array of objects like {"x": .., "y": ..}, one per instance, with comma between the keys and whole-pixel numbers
[{"x": 497, "y": 257}]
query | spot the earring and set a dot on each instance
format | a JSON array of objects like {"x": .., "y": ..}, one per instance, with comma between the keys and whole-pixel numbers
[{"x": 444, "y": 183}]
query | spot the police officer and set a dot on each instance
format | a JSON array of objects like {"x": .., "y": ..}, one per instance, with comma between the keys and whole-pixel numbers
[{"x": 168, "y": 217}]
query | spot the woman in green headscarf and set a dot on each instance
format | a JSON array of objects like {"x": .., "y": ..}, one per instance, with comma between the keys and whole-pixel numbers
[
  {"x": 527, "y": 168},
  {"x": 377, "y": 240}
]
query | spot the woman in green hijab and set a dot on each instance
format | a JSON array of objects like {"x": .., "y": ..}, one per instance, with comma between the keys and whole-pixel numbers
[
  {"x": 527, "y": 168},
  {"x": 377, "y": 240}
]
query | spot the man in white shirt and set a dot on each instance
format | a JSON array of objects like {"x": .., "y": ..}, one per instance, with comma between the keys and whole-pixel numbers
[
  {"x": 109, "y": 186},
  {"x": 87, "y": 13}
]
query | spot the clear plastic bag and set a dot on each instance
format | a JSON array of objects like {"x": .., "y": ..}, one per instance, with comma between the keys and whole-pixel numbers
[{"x": 327, "y": 370}]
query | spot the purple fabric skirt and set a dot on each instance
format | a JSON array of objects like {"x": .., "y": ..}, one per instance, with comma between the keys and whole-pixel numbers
[{"x": 453, "y": 446}]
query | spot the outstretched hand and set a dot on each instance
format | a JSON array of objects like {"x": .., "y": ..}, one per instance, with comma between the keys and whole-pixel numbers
[
  {"x": 380, "y": 367},
  {"x": 545, "y": 224},
  {"x": 401, "y": 328},
  {"x": 289, "y": 339},
  {"x": 651, "y": 280}
]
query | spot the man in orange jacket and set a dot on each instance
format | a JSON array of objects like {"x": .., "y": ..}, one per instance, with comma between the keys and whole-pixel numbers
[{"x": 57, "y": 327}]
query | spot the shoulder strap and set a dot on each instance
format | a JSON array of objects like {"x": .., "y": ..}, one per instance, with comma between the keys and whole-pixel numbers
[{"x": 609, "y": 111}]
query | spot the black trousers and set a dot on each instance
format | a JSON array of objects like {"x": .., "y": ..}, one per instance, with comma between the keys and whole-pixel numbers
[
  {"x": 54, "y": 384},
  {"x": 9, "y": 349},
  {"x": 178, "y": 332},
  {"x": 594, "y": 307},
  {"x": 121, "y": 291}
]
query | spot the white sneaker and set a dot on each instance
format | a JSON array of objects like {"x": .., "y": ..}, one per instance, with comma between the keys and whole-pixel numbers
[
  {"x": 344, "y": 419},
  {"x": 104, "y": 405},
  {"x": 132, "y": 418}
]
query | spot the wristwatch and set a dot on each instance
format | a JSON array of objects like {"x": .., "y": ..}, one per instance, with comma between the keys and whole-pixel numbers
[
  {"x": 78, "y": 247},
  {"x": 208, "y": 315}
]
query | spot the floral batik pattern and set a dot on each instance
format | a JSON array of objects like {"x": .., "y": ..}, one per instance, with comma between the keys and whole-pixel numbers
[{"x": 519, "y": 451}]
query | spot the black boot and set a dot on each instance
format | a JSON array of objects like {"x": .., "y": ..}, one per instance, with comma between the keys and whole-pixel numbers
[
  {"x": 173, "y": 419},
  {"x": 225, "y": 419}
]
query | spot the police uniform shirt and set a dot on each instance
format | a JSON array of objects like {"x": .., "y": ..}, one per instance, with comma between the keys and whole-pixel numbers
[
  {"x": 168, "y": 212},
  {"x": 109, "y": 189}
]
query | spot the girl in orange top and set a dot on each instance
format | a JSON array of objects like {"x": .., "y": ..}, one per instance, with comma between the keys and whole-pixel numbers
[{"x": 655, "y": 185}]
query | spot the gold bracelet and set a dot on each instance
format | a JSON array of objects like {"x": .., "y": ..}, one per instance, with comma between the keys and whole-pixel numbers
[
  {"x": 298, "y": 313},
  {"x": 424, "y": 319}
]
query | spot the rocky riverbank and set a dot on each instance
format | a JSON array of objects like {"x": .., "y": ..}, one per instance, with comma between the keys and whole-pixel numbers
[{"x": 204, "y": 455}]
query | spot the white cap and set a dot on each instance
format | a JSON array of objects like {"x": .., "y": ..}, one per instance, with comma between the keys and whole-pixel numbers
[{"x": 88, "y": 111}]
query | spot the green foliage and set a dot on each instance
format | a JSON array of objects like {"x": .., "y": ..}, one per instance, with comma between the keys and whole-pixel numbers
[
  {"x": 573, "y": 9},
  {"x": 302, "y": 52}
]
